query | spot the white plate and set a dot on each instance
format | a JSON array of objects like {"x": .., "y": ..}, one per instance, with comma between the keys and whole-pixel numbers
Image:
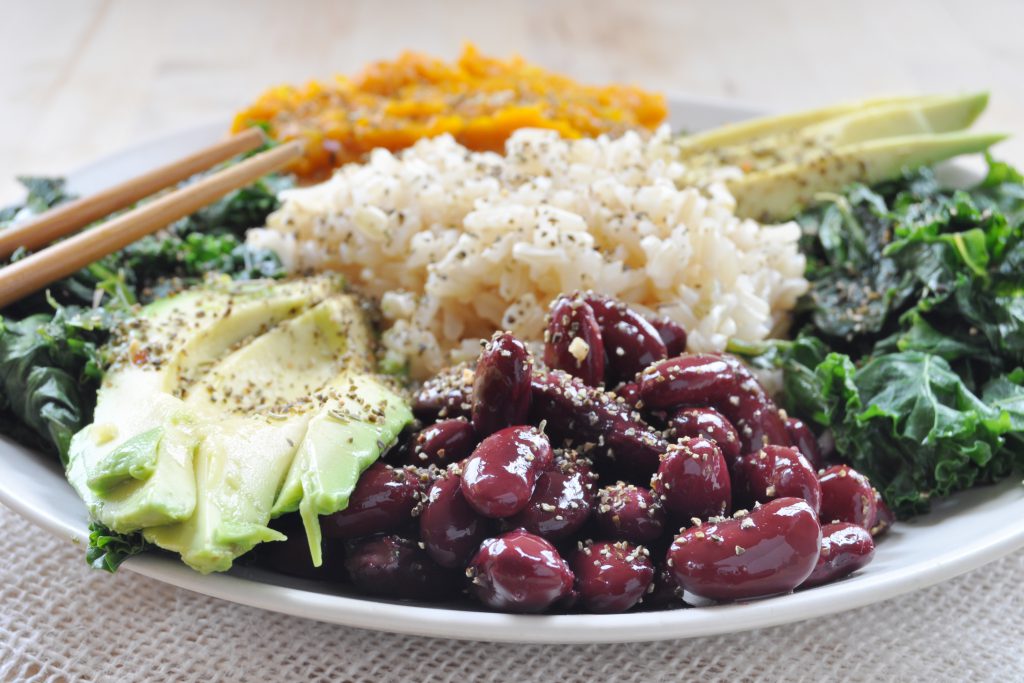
[{"x": 961, "y": 534}]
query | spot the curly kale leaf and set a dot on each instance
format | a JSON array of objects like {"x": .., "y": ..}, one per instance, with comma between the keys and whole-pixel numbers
[
  {"x": 919, "y": 292},
  {"x": 108, "y": 549},
  {"x": 42, "y": 193},
  {"x": 50, "y": 369}
]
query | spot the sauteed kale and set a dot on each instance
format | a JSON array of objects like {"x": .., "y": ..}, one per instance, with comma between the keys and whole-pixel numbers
[{"x": 912, "y": 337}]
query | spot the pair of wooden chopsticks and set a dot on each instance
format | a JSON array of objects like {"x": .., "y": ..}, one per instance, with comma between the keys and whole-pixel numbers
[{"x": 70, "y": 255}]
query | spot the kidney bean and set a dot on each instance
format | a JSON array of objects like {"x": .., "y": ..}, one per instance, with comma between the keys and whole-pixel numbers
[
  {"x": 383, "y": 501},
  {"x": 630, "y": 349},
  {"x": 693, "y": 480},
  {"x": 560, "y": 505},
  {"x": 587, "y": 415},
  {"x": 501, "y": 389},
  {"x": 631, "y": 342},
  {"x": 723, "y": 383},
  {"x": 447, "y": 394},
  {"x": 520, "y": 572},
  {"x": 451, "y": 530},
  {"x": 709, "y": 423},
  {"x": 769, "y": 551},
  {"x": 664, "y": 592},
  {"x": 672, "y": 334},
  {"x": 884, "y": 518},
  {"x": 395, "y": 567},
  {"x": 572, "y": 341},
  {"x": 499, "y": 477},
  {"x": 442, "y": 443},
  {"x": 775, "y": 472},
  {"x": 845, "y": 548},
  {"x": 801, "y": 436},
  {"x": 611, "y": 577},
  {"x": 847, "y": 496},
  {"x": 628, "y": 513},
  {"x": 629, "y": 392}
]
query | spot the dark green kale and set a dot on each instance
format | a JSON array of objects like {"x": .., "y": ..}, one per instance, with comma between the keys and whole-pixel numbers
[
  {"x": 912, "y": 337},
  {"x": 50, "y": 369},
  {"x": 108, "y": 549}
]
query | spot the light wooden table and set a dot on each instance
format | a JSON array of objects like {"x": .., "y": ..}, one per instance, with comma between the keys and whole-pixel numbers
[{"x": 83, "y": 78}]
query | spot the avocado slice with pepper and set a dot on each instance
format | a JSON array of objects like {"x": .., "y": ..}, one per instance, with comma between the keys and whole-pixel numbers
[
  {"x": 777, "y": 165},
  {"x": 782, "y": 191},
  {"x": 213, "y": 405}
]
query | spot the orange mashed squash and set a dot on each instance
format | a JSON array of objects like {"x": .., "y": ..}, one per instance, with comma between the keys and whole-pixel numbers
[{"x": 479, "y": 100}]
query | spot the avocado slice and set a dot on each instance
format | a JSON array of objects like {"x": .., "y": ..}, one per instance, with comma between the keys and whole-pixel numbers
[
  {"x": 782, "y": 191},
  {"x": 246, "y": 379},
  {"x": 775, "y": 166},
  {"x": 937, "y": 114},
  {"x": 746, "y": 132},
  {"x": 323, "y": 476},
  {"x": 154, "y": 358}
]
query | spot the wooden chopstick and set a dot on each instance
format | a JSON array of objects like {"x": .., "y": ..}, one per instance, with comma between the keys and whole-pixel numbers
[
  {"x": 67, "y": 218},
  {"x": 64, "y": 258}
]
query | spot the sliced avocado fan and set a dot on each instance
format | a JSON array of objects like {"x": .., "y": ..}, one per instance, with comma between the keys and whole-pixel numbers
[
  {"x": 745, "y": 132},
  {"x": 207, "y": 417},
  {"x": 786, "y": 161},
  {"x": 782, "y": 191}
]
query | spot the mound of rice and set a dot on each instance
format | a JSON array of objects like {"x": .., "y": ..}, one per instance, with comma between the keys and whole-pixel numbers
[{"x": 455, "y": 244}]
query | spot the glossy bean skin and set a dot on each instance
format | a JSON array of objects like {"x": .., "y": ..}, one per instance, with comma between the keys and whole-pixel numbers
[
  {"x": 847, "y": 496},
  {"x": 884, "y": 518},
  {"x": 722, "y": 382},
  {"x": 396, "y": 567},
  {"x": 584, "y": 414},
  {"x": 693, "y": 480},
  {"x": 442, "y": 443},
  {"x": 447, "y": 394},
  {"x": 771, "y": 550},
  {"x": 498, "y": 479},
  {"x": 672, "y": 334},
  {"x": 451, "y": 530},
  {"x": 801, "y": 436},
  {"x": 845, "y": 548},
  {"x": 571, "y": 319},
  {"x": 625, "y": 512},
  {"x": 630, "y": 349},
  {"x": 561, "y": 503},
  {"x": 708, "y": 423},
  {"x": 631, "y": 342},
  {"x": 382, "y": 502},
  {"x": 501, "y": 387},
  {"x": 629, "y": 392},
  {"x": 520, "y": 572},
  {"x": 775, "y": 472},
  {"x": 611, "y": 577}
]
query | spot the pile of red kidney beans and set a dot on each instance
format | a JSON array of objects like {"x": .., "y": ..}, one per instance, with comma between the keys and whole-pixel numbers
[{"x": 614, "y": 475}]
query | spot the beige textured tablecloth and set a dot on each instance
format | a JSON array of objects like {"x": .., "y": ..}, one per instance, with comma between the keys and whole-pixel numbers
[{"x": 62, "y": 621}]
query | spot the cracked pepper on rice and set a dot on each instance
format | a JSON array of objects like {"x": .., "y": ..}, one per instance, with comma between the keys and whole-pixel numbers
[{"x": 455, "y": 243}]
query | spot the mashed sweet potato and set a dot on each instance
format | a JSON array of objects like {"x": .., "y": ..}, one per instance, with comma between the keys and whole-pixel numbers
[{"x": 480, "y": 100}]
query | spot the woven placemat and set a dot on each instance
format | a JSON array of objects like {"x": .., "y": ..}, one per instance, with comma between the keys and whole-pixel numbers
[{"x": 61, "y": 621}]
